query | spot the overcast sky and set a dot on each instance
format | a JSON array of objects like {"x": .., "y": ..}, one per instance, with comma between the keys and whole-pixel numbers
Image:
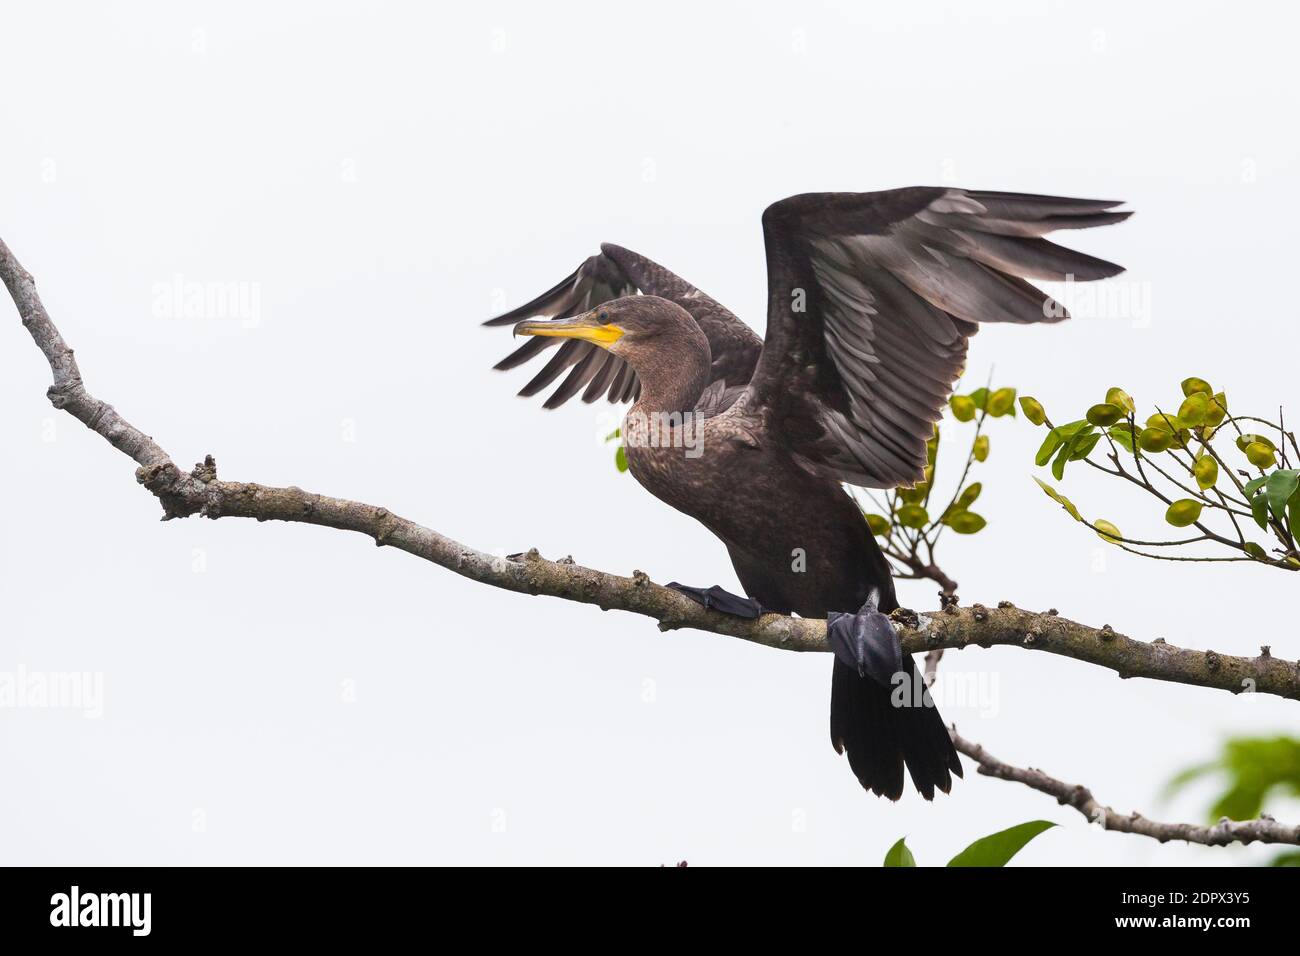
[{"x": 373, "y": 180}]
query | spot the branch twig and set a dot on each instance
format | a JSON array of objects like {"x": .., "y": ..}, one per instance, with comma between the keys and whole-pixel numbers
[{"x": 1263, "y": 830}]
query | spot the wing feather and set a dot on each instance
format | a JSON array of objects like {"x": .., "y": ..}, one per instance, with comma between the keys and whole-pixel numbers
[
  {"x": 614, "y": 273},
  {"x": 893, "y": 285}
]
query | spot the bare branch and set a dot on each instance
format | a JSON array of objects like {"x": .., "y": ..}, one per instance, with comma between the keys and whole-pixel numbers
[
  {"x": 200, "y": 492},
  {"x": 1263, "y": 830}
]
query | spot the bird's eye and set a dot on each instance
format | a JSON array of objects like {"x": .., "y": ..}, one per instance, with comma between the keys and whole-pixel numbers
[{"x": 604, "y": 316}]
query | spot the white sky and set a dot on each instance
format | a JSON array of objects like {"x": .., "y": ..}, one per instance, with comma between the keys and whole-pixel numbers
[{"x": 382, "y": 177}]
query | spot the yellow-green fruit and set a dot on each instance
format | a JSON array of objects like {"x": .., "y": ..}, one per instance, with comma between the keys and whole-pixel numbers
[
  {"x": 981, "y": 448},
  {"x": 1256, "y": 552},
  {"x": 1183, "y": 512},
  {"x": 966, "y": 522},
  {"x": 1206, "y": 472},
  {"x": 912, "y": 516},
  {"x": 1193, "y": 385},
  {"x": 1260, "y": 455},
  {"x": 1161, "y": 420},
  {"x": 1033, "y": 410},
  {"x": 1120, "y": 399},
  {"x": 1155, "y": 439},
  {"x": 1107, "y": 531},
  {"x": 1001, "y": 402},
  {"x": 1245, "y": 441},
  {"x": 878, "y": 524},
  {"x": 1104, "y": 414},
  {"x": 1218, "y": 408},
  {"x": 914, "y": 495},
  {"x": 1194, "y": 409},
  {"x": 963, "y": 407}
]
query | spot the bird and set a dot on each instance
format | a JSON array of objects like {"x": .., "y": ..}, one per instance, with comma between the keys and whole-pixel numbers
[{"x": 872, "y": 299}]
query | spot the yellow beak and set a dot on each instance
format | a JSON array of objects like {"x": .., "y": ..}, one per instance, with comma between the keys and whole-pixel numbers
[{"x": 585, "y": 327}]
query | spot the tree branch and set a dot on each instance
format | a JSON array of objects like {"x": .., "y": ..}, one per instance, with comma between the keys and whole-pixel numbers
[
  {"x": 1263, "y": 830},
  {"x": 199, "y": 491}
]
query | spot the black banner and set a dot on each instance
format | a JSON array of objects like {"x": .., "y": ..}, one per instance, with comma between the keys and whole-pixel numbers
[{"x": 93, "y": 905}]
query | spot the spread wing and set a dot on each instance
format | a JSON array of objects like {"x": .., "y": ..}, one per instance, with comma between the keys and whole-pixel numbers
[
  {"x": 614, "y": 273},
  {"x": 871, "y": 300}
]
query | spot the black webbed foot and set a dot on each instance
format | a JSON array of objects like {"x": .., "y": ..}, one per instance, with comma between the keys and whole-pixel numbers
[
  {"x": 717, "y": 599},
  {"x": 866, "y": 642}
]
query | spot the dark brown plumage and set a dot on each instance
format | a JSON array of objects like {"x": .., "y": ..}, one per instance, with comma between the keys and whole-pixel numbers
[{"x": 871, "y": 300}]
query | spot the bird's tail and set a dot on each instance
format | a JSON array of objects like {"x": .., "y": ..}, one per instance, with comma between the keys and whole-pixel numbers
[{"x": 884, "y": 727}]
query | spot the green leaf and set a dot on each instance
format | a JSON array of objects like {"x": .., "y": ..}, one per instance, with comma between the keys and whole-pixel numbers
[
  {"x": 1123, "y": 436},
  {"x": 997, "y": 848},
  {"x": 1083, "y": 445},
  {"x": 1256, "y": 769},
  {"x": 878, "y": 524},
  {"x": 620, "y": 459},
  {"x": 1048, "y": 447},
  {"x": 614, "y": 434},
  {"x": 1256, "y": 552},
  {"x": 1060, "y": 499},
  {"x": 1077, "y": 446},
  {"x": 1279, "y": 488},
  {"x": 1185, "y": 776},
  {"x": 899, "y": 854},
  {"x": 1259, "y": 510},
  {"x": 1254, "y": 485},
  {"x": 1070, "y": 429},
  {"x": 980, "y": 397},
  {"x": 1058, "y": 466},
  {"x": 969, "y": 494}
]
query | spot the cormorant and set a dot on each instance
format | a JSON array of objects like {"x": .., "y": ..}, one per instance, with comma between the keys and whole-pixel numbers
[{"x": 871, "y": 300}]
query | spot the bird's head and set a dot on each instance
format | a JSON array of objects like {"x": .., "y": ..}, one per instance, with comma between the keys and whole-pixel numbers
[{"x": 631, "y": 327}]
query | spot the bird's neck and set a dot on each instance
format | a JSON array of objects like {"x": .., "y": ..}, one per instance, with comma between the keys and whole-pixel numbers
[{"x": 673, "y": 378}]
